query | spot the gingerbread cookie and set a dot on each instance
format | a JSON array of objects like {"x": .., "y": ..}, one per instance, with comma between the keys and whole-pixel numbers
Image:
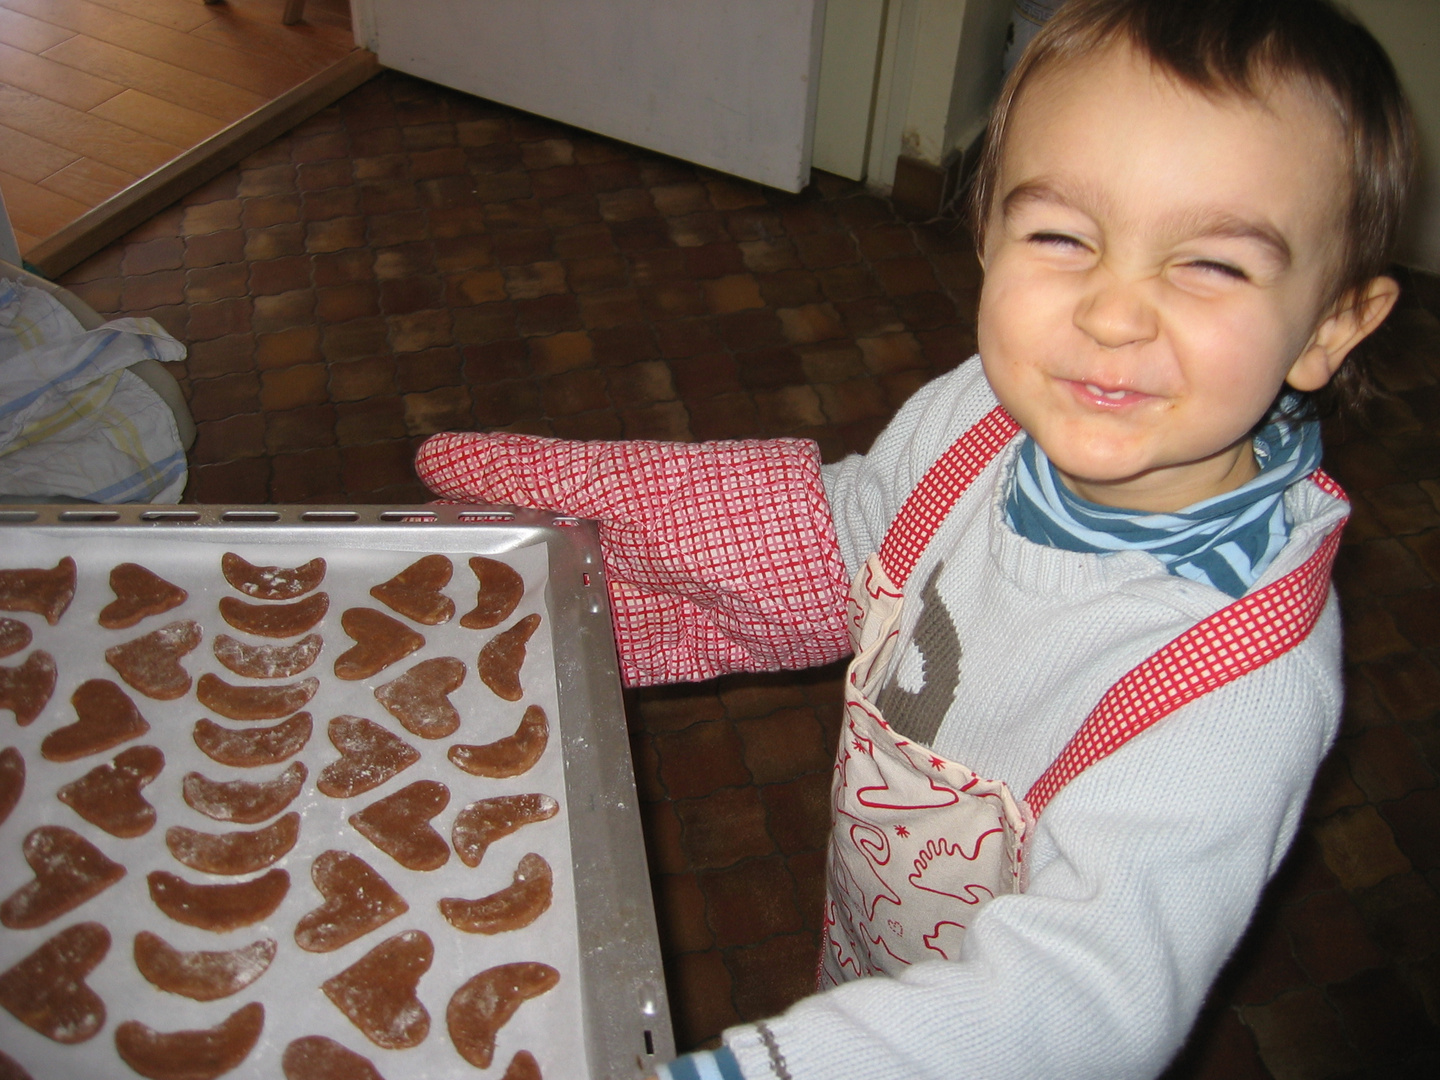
[
  {"x": 243, "y": 801},
  {"x": 271, "y": 582},
  {"x": 10, "y": 1069},
  {"x": 109, "y": 796},
  {"x": 523, "y": 1066},
  {"x": 201, "y": 976},
  {"x": 46, "y": 990},
  {"x": 45, "y": 592},
  {"x": 69, "y": 870},
  {"x": 504, "y": 655},
  {"x": 483, "y": 822},
  {"x": 357, "y": 901},
  {"x": 399, "y": 825},
  {"x": 511, "y": 756},
  {"x": 415, "y": 591},
  {"x": 227, "y": 906},
  {"x": 25, "y": 690},
  {"x": 377, "y": 992},
  {"x": 12, "y": 780},
  {"x": 501, "y": 590},
  {"x": 191, "y": 1055},
  {"x": 139, "y": 593},
  {"x": 14, "y": 636},
  {"x": 316, "y": 1057},
  {"x": 485, "y": 1004},
  {"x": 104, "y": 717},
  {"x": 151, "y": 664},
  {"x": 517, "y": 905},
  {"x": 254, "y": 702},
  {"x": 236, "y": 852},
  {"x": 266, "y": 661},
  {"x": 275, "y": 620},
  {"x": 369, "y": 756},
  {"x": 379, "y": 641},
  {"x": 253, "y": 747},
  {"x": 420, "y": 699}
]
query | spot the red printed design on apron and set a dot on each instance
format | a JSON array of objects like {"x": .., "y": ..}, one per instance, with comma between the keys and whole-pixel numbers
[{"x": 920, "y": 843}]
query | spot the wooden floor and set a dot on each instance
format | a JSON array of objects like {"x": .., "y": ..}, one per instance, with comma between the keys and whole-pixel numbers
[{"x": 95, "y": 94}]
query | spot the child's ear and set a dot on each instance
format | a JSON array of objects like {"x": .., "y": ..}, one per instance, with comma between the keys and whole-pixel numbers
[{"x": 1353, "y": 319}]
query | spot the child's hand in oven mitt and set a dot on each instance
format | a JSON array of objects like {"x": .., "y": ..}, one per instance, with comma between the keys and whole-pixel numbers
[{"x": 720, "y": 556}]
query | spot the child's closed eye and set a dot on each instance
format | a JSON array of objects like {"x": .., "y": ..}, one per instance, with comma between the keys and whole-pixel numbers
[{"x": 1222, "y": 269}]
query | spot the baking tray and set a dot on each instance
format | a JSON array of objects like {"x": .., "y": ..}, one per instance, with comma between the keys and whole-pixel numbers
[{"x": 623, "y": 1008}]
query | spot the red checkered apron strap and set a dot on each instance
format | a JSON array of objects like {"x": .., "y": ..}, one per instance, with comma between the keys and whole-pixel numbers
[
  {"x": 939, "y": 489},
  {"x": 1234, "y": 641}
]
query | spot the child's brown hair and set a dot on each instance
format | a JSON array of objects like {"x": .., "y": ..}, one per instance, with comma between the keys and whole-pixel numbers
[{"x": 1234, "y": 47}]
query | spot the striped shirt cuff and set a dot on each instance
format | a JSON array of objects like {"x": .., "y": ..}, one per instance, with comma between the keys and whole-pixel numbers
[{"x": 702, "y": 1065}]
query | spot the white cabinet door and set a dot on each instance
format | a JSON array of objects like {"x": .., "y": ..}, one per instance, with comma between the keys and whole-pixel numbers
[{"x": 725, "y": 83}]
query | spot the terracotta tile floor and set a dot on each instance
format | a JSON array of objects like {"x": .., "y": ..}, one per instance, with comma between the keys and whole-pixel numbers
[{"x": 413, "y": 260}]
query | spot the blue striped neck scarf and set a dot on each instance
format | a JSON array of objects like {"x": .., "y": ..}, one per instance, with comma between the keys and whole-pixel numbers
[{"x": 1226, "y": 541}]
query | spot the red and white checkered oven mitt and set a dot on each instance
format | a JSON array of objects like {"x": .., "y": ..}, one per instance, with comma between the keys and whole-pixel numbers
[{"x": 720, "y": 556}]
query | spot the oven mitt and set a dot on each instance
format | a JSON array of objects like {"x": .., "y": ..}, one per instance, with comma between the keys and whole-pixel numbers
[{"x": 720, "y": 556}]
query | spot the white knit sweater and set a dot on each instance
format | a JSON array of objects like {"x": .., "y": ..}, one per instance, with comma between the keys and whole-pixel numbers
[{"x": 1147, "y": 867}]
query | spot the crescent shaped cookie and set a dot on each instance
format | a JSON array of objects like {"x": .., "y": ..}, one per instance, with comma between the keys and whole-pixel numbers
[
  {"x": 253, "y": 747},
  {"x": 504, "y": 655},
  {"x": 254, "y": 702},
  {"x": 25, "y": 690},
  {"x": 108, "y": 796},
  {"x": 267, "y": 661},
  {"x": 243, "y": 801},
  {"x": 484, "y": 821},
  {"x": 271, "y": 582},
  {"x": 369, "y": 756},
  {"x": 517, "y": 905},
  {"x": 379, "y": 642},
  {"x": 486, "y": 1002},
  {"x": 191, "y": 1055},
  {"x": 151, "y": 664},
  {"x": 357, "y": 901},
  {"x": 45, "y": 592},
  {"x": 46, "y": 990},
  {"x": 12, "y": 780},
  {"x": 501, "y": 590},
  {"x": 275, "y": 620},
  {"x": 10, "y": 1069},
  {"x": 222, "y": 907},
  {"x": 399, "y": 825},
  {"x": 523, "y": 1066},
  {"x": 237, "y": 852},
  {"x": 69, "y": 870},
  {"x": 511, "y": 756},
  {"x": 377, "y": 992},
  {"x": 104, "y": 717},
  {"x": 415, "y": 591},
  {"x": 420, "y": 699},
  {"x": 14, "y": 636},
  {"x": 201, "y": 976},
  {"x": 139, "y": 593},
  {"x": 317, "y": 1057}
]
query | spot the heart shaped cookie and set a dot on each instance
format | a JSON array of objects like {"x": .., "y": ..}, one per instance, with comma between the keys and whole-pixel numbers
[
  {"x": 236, "y": 852},
  {"x": 46, "y": 990},
  {"x": 275, "y": 620},
  {"x": 253, "y": 747},
  {"x": 244, "y": 801},
  {"x": 523, "y": 1066},
  {"x": 151, "y": 664},
  {"x": 254, "y": 702},
  {"x": 369, "y": 756},
  {"x": 317, "y": 1057},
  {"x": 377, "y": 992},
  {"x": 191, "y": 1055},
  {"x": 415, "y": 591},
  {"x": 104, "y": 717},
  {"x": 26, "y": 689},
  {"x": 12, "y": 780},
  {"x": 69, "y": 870},
  {"x": 266, "y": 661},
  {"x": 484, "y": 821},
  {"x": 45, "y": 592},
  {"x": 511, "y": 756},
  {"x": 501, "y": 590},
  {"x": 504, "y": 655},
  {"x": 14, "y": 636},
  {"x": 399, "y": 825},
  {"x": 271, "y": 582},
  {"x": 109, "y": 795},
  {"x": 357, "y": 901},
  {"x": 379, "y": 641},
  {"x": 420, "y": 699},
  {"x": 222, "y": 907},
  {"x": 139, "y": 593},
  {"x": 485, "y": 1003},
  {"x": 201, "y": 976}
]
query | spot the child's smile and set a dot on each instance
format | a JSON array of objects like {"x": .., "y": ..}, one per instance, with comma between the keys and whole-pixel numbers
[{"x": 1155, "y": 267}]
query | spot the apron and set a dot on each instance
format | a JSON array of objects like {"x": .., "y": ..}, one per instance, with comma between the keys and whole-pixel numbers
[{"x": 920, "y": 843}]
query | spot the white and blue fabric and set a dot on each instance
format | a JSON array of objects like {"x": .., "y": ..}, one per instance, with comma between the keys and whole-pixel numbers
[
  {"x": 702, "y": 1065},
  {"x": 1226, "y": 541}
]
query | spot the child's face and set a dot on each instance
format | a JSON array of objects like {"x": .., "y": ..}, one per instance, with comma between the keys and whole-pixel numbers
[{"x": 1155, "y": 265}]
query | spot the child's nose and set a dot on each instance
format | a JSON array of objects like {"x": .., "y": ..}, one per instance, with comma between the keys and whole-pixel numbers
[{"x": 1115, "y": 313}]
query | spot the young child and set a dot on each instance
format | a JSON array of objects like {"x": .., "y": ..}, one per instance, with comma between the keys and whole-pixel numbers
[{"x": 1112, "y": 518}]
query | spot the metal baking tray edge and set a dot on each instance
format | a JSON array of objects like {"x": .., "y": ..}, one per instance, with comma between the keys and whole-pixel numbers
[{"x": 627, "y": 1013}]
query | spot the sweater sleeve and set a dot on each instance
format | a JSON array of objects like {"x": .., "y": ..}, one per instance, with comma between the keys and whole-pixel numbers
[{"x": 1145, "y": 871}]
